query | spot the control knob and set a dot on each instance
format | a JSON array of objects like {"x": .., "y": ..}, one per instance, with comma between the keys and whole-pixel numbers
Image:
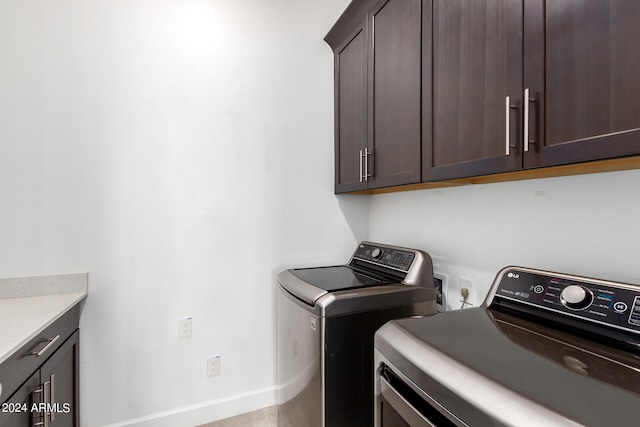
[
  {"x": 576, "y": 297},
  {"x": 377, "y": 253}
]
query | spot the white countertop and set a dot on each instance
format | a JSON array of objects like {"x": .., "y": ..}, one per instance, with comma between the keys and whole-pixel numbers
[
  {"x": 21, "y": 319},
  {"x": 31, "y": 304}
]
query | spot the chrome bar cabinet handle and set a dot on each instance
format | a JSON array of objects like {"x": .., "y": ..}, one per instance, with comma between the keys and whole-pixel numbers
[
  {"x": 45, "y": 348},
  {"x": 507, "y": 133},
  {"x": 527, "y": 101},
  {"x": 47, "y": 400},
  {"x": 52, "y": 397},
  {"x": 507, "y": 139},
  {"x": 37, "y": 391},
  {"x": 366, "y": 164}
]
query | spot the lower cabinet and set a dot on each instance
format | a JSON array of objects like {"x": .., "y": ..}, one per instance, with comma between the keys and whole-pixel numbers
[
  {"x": 60, "y": 375},
  {"x": 16, "y": 411},
  {"x": 40, "y": 381},
  {"x": 49, "y": 397}
]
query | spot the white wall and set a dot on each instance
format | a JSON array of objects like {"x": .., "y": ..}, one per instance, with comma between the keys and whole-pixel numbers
[
  {"x": 586, "y": 225},
  {"x": 181, "y": 152}
]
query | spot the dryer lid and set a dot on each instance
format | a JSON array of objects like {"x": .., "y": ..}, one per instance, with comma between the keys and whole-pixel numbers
[{"x": 513, "y": 371}]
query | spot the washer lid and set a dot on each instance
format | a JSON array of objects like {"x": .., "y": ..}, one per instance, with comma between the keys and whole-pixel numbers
[
  {"x": 310, "y": 284},
  {"x": 337, "y": 278}
]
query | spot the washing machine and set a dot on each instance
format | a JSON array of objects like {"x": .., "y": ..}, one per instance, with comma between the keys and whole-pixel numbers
[{"x": 327, "y": 317}]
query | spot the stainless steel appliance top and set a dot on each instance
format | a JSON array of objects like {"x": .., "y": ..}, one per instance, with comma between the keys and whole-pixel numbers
[
  {"x": 375, "y": 273},
  {"x": 545, "y": 349}
]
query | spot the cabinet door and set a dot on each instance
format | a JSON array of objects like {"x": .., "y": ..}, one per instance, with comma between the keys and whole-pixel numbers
[
  {"x": 394, "y": 93},
  {"x": 59, "y": 376},
  {"x": 351, "y": 111},
  {"x": 17, "y": 410},
  {"x": 477, "y": 64},
  {"x": 582, "y": 67}
]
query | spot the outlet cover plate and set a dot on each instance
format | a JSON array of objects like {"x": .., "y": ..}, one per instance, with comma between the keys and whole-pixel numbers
[
  {"x": 184, "y": 327},
  {"x": 213, "y": 366}
]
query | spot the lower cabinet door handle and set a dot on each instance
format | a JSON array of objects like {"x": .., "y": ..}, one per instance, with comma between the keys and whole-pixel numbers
[
  {"x": 47, "y": 400},
  {"x": 52, "y": 398}
]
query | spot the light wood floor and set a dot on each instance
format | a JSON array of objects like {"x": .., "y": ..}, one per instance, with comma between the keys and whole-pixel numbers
[{"x": 267, "y": 417}]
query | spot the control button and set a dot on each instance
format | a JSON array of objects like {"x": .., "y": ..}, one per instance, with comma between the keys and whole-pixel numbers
[
  {"x": 574, "y": 294},
  {"x": 538, "y": 289},
  {"x": 576, "y": 297},
  {"x": 620, "y": 307},
  {"x": 377, "y": 253}
]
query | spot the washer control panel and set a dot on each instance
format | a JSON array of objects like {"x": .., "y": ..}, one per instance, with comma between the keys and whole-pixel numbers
[
  {"x": 388, "y": 257},
  {"x": 598, "y": 301}
]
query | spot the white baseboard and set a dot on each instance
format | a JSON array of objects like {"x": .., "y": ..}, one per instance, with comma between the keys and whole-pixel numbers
[{"x": 206, "y": 412}]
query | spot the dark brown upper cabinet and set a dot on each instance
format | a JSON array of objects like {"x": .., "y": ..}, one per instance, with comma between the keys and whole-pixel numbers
[
  {"x": 477, "y": 64},
  {"x": 351, "y": 111},
  {"x": 530, "y": 84},
  {"x": 377, "y": 58},
  {"x": 582, "y": 71}
]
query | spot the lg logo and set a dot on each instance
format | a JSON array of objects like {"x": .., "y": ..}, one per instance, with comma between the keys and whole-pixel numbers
[{"x": 513, "y": 276}]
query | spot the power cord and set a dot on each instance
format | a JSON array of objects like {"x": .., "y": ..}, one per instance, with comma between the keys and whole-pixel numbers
[{"x": 465, "y": 294}]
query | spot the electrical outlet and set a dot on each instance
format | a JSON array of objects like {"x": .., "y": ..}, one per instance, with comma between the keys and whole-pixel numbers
[
  {"x": 184, "y": 327},
  {"x": 213, "y": 366}
]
